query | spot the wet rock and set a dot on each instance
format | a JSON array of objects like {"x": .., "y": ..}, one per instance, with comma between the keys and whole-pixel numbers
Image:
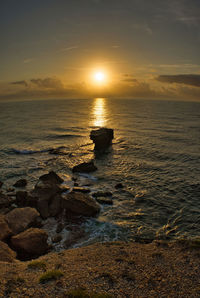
[
  {"x": 55, "y": 206},
  {"x": 119, "y": 185},
  {"x": 20, "y": 183},
  {"x": 31, "y": 243},
  {"x": 85, "y": 167},
  {"x": 6, "y": 253},
  {"x": 59, "y": 228},
  {"x": 75, "y": 184},
  {"x": 1, "y": 183},
  {"x": 51, "y": 177},
  {"x": 56, "y": 238},
  {"x": 99, "y": 194},
  {"x": 19, "y": 219},
  {"x": 80, "y": 204},
  {"x": 5, "y": 231},
  {"x": 21, "y": 198},
  {"x": 102, "y": 138},
  {"x": 104, "y": 200},
  {"x": 81, "y": 189}
]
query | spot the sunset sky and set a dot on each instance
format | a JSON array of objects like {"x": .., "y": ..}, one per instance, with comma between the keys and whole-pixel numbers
[{"x": 146, "y": 49}]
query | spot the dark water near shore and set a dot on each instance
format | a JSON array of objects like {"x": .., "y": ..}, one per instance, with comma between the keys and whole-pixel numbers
[{"x": 156, "y": 155}]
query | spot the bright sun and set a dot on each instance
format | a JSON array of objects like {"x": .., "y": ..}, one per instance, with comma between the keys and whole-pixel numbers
[{"x": 99, "y": 77}]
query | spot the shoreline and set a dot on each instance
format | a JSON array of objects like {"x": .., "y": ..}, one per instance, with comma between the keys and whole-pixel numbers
[{"x": 118, "y": 269}]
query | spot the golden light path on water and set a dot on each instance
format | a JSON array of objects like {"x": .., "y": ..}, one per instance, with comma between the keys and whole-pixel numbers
[{"x": 99, "y": 112}]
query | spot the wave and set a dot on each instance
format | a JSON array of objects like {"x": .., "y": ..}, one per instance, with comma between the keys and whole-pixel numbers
[
  {"x": 25, "y": 151},
  {"x": 63, "y": 136}
]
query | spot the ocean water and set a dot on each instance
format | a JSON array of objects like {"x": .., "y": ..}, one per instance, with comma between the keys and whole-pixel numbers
[{"x": 155, "y": 155}]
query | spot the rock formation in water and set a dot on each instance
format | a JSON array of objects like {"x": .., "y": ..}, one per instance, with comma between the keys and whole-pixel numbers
[{"x": 102, "y": 138}]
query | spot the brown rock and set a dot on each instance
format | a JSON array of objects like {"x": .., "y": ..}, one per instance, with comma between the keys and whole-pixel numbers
[
  {"x": 81, "y": 204},
  {"x": 20, "y": 183},
  {"x": 5, "y": 201},
  {"x": 5, "y": 232},
  {"x": 1, "y": 183},
  {"x": 85, "y": 167},
  {"x": 19, "y": 219},
  {"x": 21, "y": 198},
  {"x": 102, "y": 138},
  {"x": 81, "y": 189},
  {"x": 32, "y": 242},
  {"x": 104, "y": 200},
  {"x": 55, "y": 206},
  {"x": 56, "y": 238},
  {"x": 51, "y": 177},
  {"x": 99, "y": 194},
  {"x": 6, "y": 254}
]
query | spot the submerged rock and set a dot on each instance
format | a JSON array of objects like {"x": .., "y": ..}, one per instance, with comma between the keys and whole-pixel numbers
[
  {"x": 102, "y": 138},
  {"x": 5, "y": 231},
  {"x": 20, "y": 183},
  {"x": 6, "y": 253},
  {"x": 99, "y": 194},
  {"x": 81, "y": 204},
  {"x": 32, "y": 242},
  {"x": 85, "y": 167},
  {"x": 19, "y": 219}
]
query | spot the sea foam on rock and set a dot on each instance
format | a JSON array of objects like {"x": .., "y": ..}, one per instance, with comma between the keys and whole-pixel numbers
[{"x": 102, "y": 137}]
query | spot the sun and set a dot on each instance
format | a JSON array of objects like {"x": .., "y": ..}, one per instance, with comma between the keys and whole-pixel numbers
[{"x": 99, "y": 77}]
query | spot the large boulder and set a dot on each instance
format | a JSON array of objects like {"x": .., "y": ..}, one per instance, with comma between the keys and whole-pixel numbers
[
  {"x": 102, "y": 138},
  {"x": 19, "y": 219},
  {"x": 5, "y": 231},
  {"x": 80, "y": 203},
  {"x": 30, "y": 243},
  {"x": 85, "y": 167},
  {"x": 6, "y": 253}
]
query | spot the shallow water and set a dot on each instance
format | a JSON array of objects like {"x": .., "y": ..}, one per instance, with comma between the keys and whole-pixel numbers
[{"x": 155, "y": 155}]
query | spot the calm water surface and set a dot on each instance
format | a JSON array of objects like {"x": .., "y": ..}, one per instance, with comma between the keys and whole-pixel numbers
[{"x": 156, "y": 155}]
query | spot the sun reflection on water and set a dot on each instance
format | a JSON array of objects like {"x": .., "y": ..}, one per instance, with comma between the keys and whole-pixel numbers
[{"x": 99, "y": 112}]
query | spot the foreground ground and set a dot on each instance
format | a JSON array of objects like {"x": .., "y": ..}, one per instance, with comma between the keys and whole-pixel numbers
[{"x": 118, "y": 269}]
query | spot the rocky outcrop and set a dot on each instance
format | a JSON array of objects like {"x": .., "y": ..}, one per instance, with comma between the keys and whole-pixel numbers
[
  {"x": 80, "y": 204},
  {"x": 5, "y": 231},
  {"x": 20, "y": 183},
  {"x": 30, "y": 243},
  {"x": 102, "y": 138},
  {"x": 85, "y": 167},
  {"x": 46, "y": 196},
  {"x": 6, "y": 253},
  {"x": 19, "y": 219}
]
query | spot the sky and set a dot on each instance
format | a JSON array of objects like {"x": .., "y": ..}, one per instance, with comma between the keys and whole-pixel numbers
[{"x": 148, "y": 49}]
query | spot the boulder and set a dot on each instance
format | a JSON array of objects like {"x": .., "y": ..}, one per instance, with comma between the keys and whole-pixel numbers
[
  {"x": 5, "y": 201},
  {"x": 85, "y": 167},
  {"x": 80, "y": 204},
  {"x": 5, "y": 231},
  {"x": 30, "y": 243},
  {"x": 21, "y": 198},
  {"x": 1, "y": 183},
  {"x": 102, "y": 138},
  {"x": 51, "y": 178},
  {"x": 20, "y": 183},
  {"x": 19, "y": 219},
  {"x": 6, "y": 253},
  {"x": 55, "y": 206}
]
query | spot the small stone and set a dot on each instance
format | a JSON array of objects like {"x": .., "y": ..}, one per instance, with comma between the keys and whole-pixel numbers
[
  {"x": 20, "y": 183},
  {"x": 119, "y": 185},
  {"x": 85, "y": 167}
]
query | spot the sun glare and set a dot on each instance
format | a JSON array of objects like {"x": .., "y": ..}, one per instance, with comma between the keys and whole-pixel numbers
[{"x": 99, "y": 77}]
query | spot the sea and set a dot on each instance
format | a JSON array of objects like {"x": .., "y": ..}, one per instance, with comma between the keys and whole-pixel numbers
[{"x": 155, "y": 155}]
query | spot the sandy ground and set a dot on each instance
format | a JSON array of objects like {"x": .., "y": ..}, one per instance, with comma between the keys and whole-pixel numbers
[{"x": 119, "y": 269}]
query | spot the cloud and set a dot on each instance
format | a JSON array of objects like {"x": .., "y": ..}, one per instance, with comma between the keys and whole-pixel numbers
[
  {"x": 22, "y": 83},
  {"x": 69, "y": 48},
  {"x": 48, "y": 83},
  {"x": 187, "y": 79}
]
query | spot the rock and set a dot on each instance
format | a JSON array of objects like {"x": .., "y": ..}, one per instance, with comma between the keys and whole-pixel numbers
[
  {"x": 59, "y": 228},
  {"x": 81, "y": 204},
  {"x": 75, "y": 184},
  {"x": 104, "y": 200},
  {"x": 51, "y": 177},
  {"x": 5, "y": 231},
  {"x": 21, "y": 198},
  {"x": 19, "y": 219},
  {"x": 102, "y": 138},
  {"x": 85, "y": 167},
  {"x": 119, "y": 185},
  {"x": 32, "y": 242},
  {"x": 5, "y": 201},
  {"x": 56, "y": 238},
  {"x": 55, "y": 206},
  {"x": 6, "y": 253},
  {"x": 20, "y": 183},
  {"x": 102, "y": 194},
  {"x": 81, "y": 189},
  {"x": 1, "y": 183}
]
